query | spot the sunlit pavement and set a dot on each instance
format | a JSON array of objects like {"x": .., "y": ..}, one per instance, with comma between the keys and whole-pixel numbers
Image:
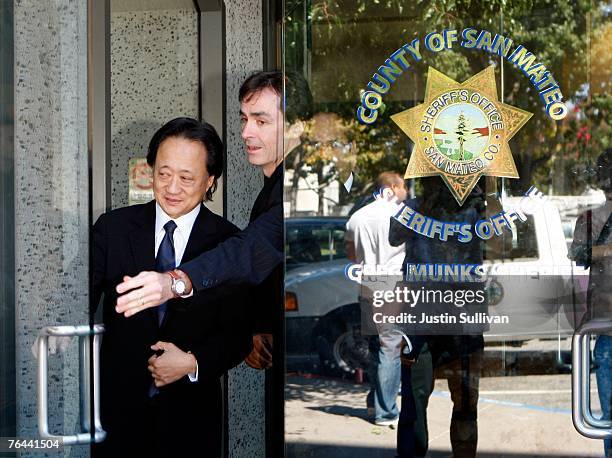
[{"x": 518, "y": 416}]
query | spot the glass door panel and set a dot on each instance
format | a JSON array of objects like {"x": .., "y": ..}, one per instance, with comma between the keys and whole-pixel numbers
[
  {"x": 48, "y": 364},
  {"x": 432, "y": 92}
]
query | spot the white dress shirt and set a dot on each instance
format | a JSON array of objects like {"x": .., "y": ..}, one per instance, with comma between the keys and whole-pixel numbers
[
  {"x": 184, "y": 225},
  {"x": 368, "y": 229}
]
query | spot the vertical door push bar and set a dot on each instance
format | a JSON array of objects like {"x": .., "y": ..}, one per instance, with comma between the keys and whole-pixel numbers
[
  {"x": 584, "y": 421},
  {"x": 87, "y": 366}
]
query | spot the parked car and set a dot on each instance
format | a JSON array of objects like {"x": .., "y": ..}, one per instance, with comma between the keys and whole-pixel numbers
[
  {"x": 323, "y": 329},
  {"x": 322, "y": 308},
  {"x": 314, "y": 239}
]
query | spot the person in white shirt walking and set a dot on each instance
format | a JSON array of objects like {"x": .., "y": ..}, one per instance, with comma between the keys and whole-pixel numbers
[{"x": 367, "y": 240}]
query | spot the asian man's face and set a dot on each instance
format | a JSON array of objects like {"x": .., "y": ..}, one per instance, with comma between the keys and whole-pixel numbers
[{"x": 180, "y": 177}]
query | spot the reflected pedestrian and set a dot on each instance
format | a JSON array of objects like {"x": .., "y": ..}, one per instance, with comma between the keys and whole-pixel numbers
[
  {"x": 592, "y": 248},
  {"x": 367, "y": 238},
  {"x": 458, "y": 357}
]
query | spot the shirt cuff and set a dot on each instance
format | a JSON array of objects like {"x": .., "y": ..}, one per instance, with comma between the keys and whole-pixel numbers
[{"x": 193, "y": 376}]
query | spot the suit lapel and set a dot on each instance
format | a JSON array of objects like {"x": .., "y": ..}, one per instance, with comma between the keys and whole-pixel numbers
[
  {"x": 200, "y": 238},
  {"x": 142, "y": 244}
]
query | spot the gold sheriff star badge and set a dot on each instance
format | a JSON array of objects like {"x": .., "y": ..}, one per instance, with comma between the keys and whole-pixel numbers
[{"x": 461, "y": 132}]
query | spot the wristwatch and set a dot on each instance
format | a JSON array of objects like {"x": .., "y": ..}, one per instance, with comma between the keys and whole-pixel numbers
[{"x": 179, "y": 286}]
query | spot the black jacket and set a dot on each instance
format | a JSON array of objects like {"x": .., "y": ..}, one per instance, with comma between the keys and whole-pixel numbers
[
  {"x": 184, "y": 416},
  {"x": 252, "y": 254},
  {"x": 268, "y": 295}
]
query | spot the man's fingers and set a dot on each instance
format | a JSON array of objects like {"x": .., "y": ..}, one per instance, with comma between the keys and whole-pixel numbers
[
  {"x": 265, "y": 363},
  {"x": 145, "y": 290},
  {"x": 264, "y": 356},
  {"x": 136, "y": 301},
  {"x": 257, "y": 360},
  {"x": 132, "y": 282},
  {"x": 262, "y": 343},
  {"x": 156, "y": 372},
  {"x": 163, "y": 346},
  {"x": 253, "y": 361},
  {"x": 148, "y": 292},
  {"x": 133, "y": 311},
  {"x": 158, "y": 379},
  {"x": 265, "y": 353},
  {"x": 132, "y": 296}
]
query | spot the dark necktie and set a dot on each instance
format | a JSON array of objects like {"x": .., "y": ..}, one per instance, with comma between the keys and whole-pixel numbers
[{"x": 165, "y": 261}]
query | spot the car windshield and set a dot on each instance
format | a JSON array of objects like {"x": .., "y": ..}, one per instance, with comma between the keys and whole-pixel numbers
[{"x": 310, "y": 241}]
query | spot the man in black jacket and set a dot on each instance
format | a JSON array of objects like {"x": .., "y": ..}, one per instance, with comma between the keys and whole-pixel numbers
[
  {"x": 160, "y": 370},
  {"x": 271, "y": 129},
  {"x": 454, "y": 351},
  {"x": 272, "y": 126}
]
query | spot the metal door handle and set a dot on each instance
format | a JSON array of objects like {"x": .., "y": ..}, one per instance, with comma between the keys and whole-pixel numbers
[
  {"x": 584, "y": 421},
  {"x": 84, "y": 333}
]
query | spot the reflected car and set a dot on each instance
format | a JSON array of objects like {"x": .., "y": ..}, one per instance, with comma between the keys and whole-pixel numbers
[
  {"x": 322, "y": 307},
  {"x": 322, "y": 313},
  {"x": 311, "y": 240}
]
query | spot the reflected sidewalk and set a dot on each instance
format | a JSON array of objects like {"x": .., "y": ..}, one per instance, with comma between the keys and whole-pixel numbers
[{"x": 519, "y": 416}]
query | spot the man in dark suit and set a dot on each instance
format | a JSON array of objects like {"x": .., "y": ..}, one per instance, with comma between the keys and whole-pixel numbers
[
  {"x": 161, "y": 392},
  {"x": 274, "y": 106},
  {"x": 271, "y": 129}
]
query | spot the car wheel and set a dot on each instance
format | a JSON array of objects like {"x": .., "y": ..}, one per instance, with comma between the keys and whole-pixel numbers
[{"x": 342, "y": 348}]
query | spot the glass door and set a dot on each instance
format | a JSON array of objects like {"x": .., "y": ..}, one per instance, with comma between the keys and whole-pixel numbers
[
  {"x": 49, "y": 359},
  {"x": 451, "y": 150},
  {"x": 84, "y": 85}
]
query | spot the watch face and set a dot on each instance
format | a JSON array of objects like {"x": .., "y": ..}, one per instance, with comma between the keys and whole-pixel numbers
[{"x": 179, "y": 287}]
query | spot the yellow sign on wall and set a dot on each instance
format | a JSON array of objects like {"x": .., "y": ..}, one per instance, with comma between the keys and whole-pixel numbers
[{"x": 140, "y": 182}]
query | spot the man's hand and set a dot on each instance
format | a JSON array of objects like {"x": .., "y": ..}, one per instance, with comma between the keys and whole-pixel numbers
[
  {"x": 147, "y": 289},
  {"x": 406, "y": 361},
  {"x": 172, "y": 365},
  {"x": 261, "y": 355}
]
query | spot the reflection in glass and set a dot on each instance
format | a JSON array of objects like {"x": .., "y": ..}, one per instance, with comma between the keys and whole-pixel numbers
[{"x": 337, "y": 46}]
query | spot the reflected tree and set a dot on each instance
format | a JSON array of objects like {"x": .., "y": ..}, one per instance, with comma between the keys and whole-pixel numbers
[{"x": 338, "y": 44}]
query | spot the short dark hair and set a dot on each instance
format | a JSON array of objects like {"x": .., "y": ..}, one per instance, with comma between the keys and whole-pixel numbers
[
  {"x": 194, "y": 130},
  {"x": 298, "y": 98}
]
